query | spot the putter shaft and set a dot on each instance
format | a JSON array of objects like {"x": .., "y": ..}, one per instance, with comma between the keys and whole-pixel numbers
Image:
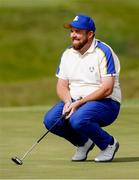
[{"x": 32, "y": 147}]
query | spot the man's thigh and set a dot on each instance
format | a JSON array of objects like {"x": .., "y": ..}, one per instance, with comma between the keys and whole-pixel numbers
[{"x": 103, "y": 112}]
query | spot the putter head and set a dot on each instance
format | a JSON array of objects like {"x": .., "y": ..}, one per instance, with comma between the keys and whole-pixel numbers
[{"x": 17, "y": 161}]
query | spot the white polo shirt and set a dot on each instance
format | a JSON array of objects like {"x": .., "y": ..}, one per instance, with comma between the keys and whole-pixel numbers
[{"x": 84, "y": 72}]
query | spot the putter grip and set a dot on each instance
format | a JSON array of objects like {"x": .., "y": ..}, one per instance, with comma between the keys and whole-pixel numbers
[{"x": 64, "y": 115}]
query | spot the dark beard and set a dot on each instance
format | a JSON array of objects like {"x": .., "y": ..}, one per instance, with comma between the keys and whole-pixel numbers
[{"x": 80, "y": 45}]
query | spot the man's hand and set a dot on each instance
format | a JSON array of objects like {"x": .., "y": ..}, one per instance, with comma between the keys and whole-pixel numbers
[
  {"x": 66, "y": 107},
  {"x": 71, "y": 107}
]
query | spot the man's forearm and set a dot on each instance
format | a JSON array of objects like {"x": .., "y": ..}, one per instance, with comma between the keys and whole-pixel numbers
[
  {"x": 63, "y": 91},
  {"x": 64, "y": 95},
  {"x": 101, "y": 93}
]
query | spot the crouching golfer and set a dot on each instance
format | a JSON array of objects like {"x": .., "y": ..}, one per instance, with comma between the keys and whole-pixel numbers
[{"x": 88, "y": 86}]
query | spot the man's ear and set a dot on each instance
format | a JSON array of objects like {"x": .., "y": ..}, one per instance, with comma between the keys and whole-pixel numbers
[{"x": 91, "y": 34}]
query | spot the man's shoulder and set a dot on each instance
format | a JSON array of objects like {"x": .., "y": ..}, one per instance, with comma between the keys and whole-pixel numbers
[
  {"x": 68, "y": 50},
  {"x": 105, "y": 48}
]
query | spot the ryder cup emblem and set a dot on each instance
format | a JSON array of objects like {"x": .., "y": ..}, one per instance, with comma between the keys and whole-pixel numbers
[{"x": 91, "y": 69}]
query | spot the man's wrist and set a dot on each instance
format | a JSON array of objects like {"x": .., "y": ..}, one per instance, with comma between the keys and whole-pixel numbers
[
  {"x": 68, "y": 101},
  {"x": 82, "y": 101}
]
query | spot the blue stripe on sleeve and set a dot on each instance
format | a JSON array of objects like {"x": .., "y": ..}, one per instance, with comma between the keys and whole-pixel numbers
[
  {"x": 109, "y": 58},
  {"x": 58, "y": 69}
]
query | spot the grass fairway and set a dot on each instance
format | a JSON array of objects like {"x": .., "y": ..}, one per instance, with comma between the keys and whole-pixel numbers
[
  {"x": 32, "y": 39},
  {"x": 20, "y": 128}
]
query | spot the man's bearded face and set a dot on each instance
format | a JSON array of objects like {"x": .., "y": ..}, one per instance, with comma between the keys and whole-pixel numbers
[{"x": 78, "y": 38}]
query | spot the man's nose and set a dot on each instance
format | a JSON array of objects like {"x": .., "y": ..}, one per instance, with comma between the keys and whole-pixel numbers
[{"x": 73, "y": 34}]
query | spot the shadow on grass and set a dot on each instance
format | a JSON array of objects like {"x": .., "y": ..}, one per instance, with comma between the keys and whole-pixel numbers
[
  {"x": 126, "y": 159},
  {"x": 120, "y": 159}
]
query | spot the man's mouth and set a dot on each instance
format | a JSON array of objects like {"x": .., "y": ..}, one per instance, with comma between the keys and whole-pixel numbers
[{"x": 75, "y": 40}]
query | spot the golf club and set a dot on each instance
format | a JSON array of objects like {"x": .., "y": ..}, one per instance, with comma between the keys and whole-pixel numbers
[{"x": 19, "y": 161}]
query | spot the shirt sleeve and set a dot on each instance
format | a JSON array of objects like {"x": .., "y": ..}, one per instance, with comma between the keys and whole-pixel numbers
[
  {"x": 61, "y": 69},
  {"x": 107, "y": 64}
]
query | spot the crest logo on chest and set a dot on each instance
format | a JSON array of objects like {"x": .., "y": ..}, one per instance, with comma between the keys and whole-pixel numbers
[{"x": 91, "y": 69}]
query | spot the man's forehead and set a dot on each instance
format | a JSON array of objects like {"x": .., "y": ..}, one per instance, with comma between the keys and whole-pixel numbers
[{"x": 78, "y": 30}]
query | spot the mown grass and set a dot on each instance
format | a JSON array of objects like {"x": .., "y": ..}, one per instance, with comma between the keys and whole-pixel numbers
[
  {"x": 29, "y": 93},
  {"x": 33, "y": 39},
  {"x": 51, "y": 159}
]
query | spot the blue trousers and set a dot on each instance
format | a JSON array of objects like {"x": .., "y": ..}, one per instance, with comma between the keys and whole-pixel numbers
[{"x": 86, "y": 122}]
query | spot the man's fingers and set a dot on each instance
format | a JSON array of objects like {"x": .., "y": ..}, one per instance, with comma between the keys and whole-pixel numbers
[{"x": 70, "y": 113}]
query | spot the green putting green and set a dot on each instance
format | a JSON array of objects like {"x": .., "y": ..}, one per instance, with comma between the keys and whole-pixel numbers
[{"x": 51, "y": 159}]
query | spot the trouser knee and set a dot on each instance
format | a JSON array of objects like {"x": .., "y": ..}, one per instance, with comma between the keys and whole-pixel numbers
[
  {"x": 53, "y": 115},
  {"x": 77, "y": 122},
  {"x": 47, "y": 121}
]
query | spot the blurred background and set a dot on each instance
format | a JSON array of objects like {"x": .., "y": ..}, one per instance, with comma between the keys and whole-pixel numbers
[{"x": 32, "y": 39}]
